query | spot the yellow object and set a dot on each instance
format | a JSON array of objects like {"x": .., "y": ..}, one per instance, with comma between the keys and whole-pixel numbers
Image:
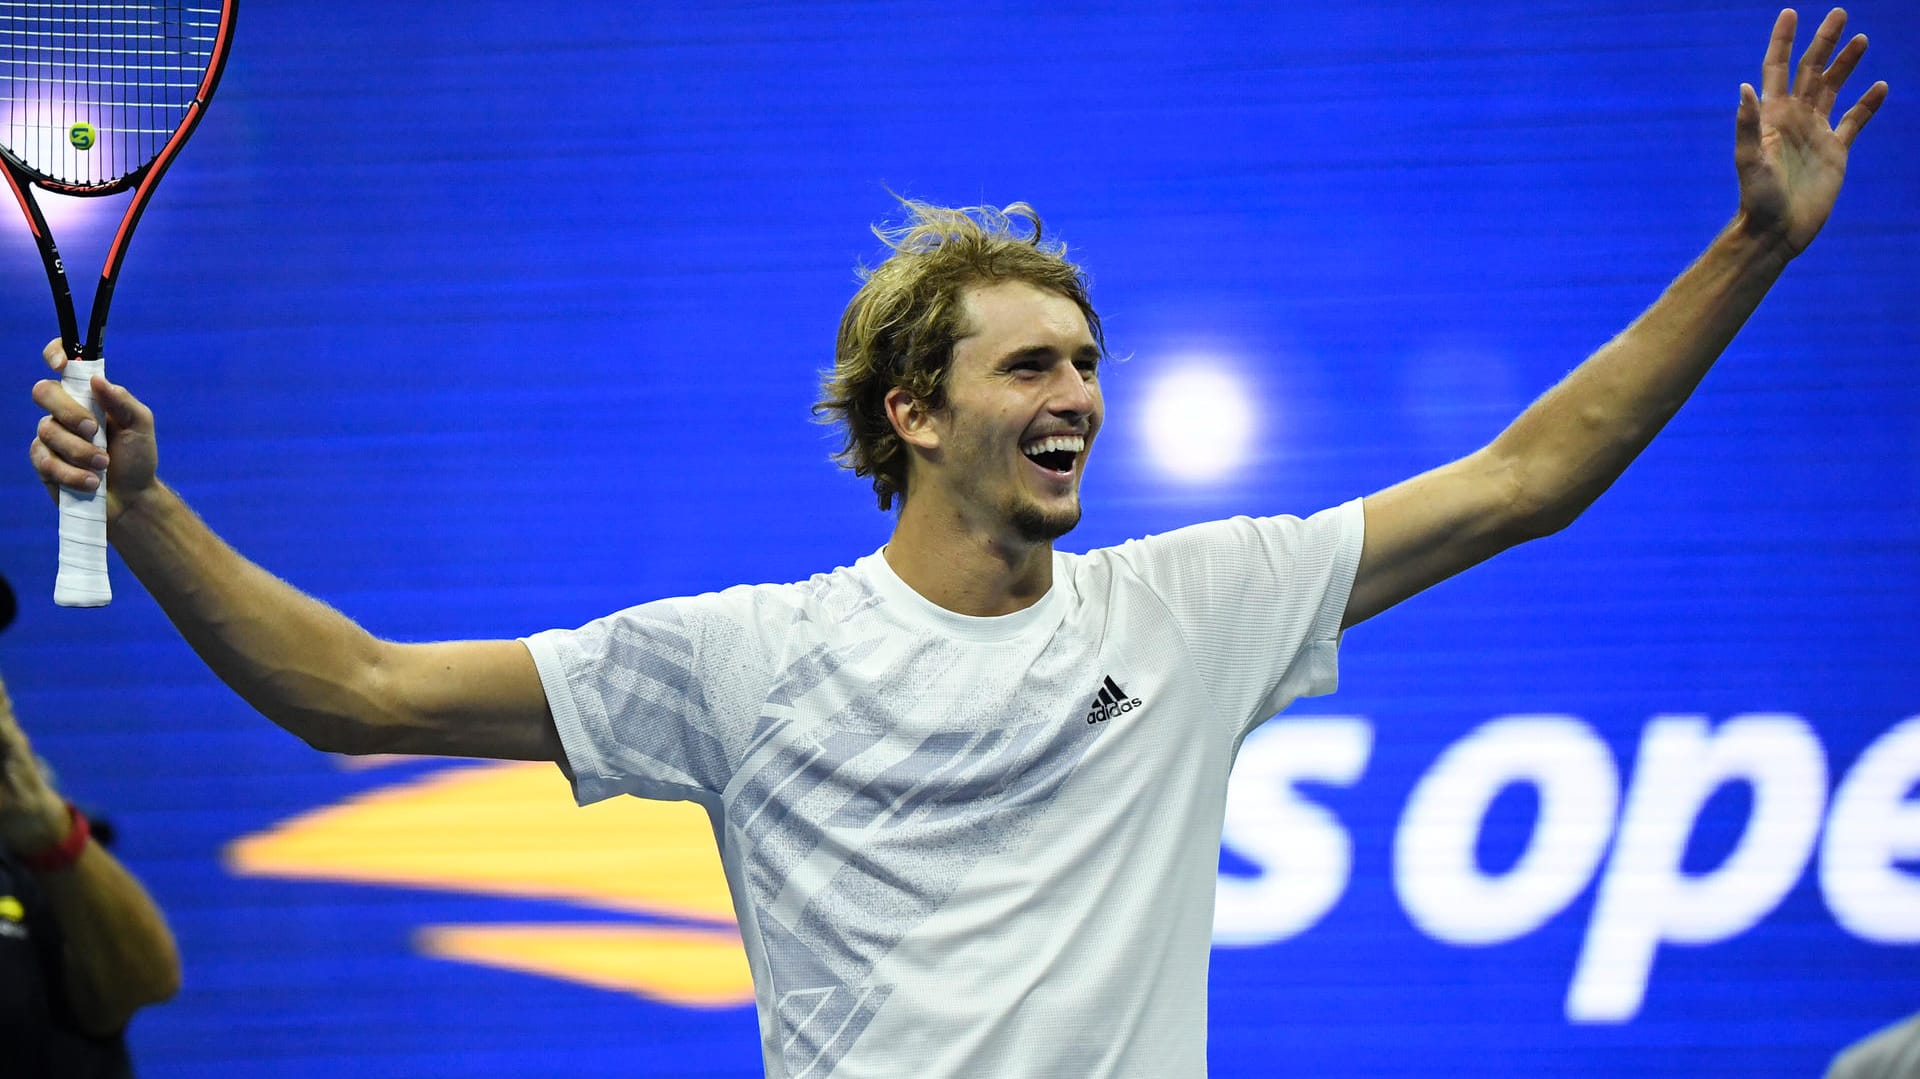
[
  {"x": 511, "y": 830},
  {"x": 693, "y": 968},
  {"x": 82, "y": 135},
  {"x": 10, "y": 909},
  {"x": 508, "y": 829}
]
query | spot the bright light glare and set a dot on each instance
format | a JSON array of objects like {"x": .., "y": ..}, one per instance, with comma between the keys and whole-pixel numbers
[
  {"x": 68, "y": 214},
  {"x": 40, "y": 123},
  {"x": 79, "y": 226},
  {"x": 1199, "y": 422}
]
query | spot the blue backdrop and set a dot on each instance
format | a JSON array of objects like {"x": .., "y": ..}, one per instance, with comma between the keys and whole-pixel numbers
[{"x": 483, "y": 318}]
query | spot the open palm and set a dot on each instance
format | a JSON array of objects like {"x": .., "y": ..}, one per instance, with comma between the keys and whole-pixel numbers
[{"x": 1790, "y": 161}]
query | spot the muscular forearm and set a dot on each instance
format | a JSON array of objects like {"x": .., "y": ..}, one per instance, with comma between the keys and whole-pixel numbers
[
  {"x": 1571, "y": 444},
  {"x": 315, "y": 672},
  {"x": 120, "y": 956},
  {"x": 301, "y": 663}
]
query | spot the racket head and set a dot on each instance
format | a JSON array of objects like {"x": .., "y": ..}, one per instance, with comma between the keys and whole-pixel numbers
[{"x": 93, "y": 94}]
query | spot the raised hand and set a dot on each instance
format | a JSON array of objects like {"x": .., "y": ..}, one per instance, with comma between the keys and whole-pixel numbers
[
  {"x": 63, "y": 453},
  {"x": 1790, "y": 161}
]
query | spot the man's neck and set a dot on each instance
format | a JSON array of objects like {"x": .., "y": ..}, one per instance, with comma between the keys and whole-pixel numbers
[{"x": 965, "y": 568}]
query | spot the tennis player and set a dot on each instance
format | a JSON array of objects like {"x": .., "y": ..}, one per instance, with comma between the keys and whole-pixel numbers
[{"x": 968, "y": 790}]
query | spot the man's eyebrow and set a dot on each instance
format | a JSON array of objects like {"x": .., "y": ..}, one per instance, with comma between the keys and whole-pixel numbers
[
  {"x": 1029, "y": 352},
  {"x": 1087, "y": 351}
]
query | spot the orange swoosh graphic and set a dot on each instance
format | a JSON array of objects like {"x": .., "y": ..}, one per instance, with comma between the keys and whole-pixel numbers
[
  {"x": 511, "y": 830},
  {"x": 689, "y": 967}
]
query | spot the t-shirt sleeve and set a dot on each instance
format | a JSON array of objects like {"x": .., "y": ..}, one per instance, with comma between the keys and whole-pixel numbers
[
  {"x": 658, "y": 700},
  {"x": 1259, "y": 601}
]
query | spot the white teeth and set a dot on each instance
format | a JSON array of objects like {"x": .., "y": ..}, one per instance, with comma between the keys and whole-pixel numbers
[{"x": 1056, "y": 444}]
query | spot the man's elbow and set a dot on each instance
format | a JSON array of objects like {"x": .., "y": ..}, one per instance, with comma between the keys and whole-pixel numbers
[
  {"x": 1513, "y": 506},
  {"x": 156, "y": 980},
  {"x": 1539, "y": 522},
  {"x": 358, "y": 735},
  {"x": 328, "y": 731},
  {"x": 167, "y": 985},
  {"x": 359, "y": 714},
  {"x": 159, "y": 984},
  {"x": 1539, "y": 501}
]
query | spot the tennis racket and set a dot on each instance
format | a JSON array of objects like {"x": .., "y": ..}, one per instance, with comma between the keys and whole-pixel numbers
[{"x": 98, "y": 99}]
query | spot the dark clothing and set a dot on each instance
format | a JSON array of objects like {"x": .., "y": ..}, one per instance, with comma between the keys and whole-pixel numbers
[{"x": 38, "y": 1036}]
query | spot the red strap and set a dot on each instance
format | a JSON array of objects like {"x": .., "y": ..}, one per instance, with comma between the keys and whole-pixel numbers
[{"x": 67, "y": 852}]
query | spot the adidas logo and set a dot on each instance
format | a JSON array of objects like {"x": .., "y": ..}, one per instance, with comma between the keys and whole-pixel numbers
[{"x": 1111, "y": 702}]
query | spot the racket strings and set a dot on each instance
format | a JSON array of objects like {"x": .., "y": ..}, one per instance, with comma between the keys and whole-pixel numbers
[{"x": 91, "y": 92}]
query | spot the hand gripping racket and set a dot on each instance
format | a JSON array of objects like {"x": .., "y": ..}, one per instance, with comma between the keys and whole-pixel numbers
[{"x": 97, "y": 98}]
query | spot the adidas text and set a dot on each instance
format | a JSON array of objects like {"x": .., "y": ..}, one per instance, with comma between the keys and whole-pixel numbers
[{"x": 1111, "y": 701}]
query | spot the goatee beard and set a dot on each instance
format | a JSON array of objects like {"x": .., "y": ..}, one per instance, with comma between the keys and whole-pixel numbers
[{"x": 1036, "y": 525}]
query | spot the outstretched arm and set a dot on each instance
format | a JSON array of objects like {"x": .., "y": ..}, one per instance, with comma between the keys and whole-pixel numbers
[
  {"x": 301, "y": 663},
  {"x": 1571, "y": 444},
  {"x": 119, "y": 955}
]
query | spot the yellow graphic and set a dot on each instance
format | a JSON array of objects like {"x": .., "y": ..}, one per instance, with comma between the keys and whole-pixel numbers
[
  {"x": 10, "y": 909},
  {"x": 82, "y": 135},
  {"x": 692, "y": 967},
  {"x": 512, "y": 830}
]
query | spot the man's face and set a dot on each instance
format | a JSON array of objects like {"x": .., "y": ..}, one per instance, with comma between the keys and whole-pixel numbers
[{"x": 1022, "y": 407}]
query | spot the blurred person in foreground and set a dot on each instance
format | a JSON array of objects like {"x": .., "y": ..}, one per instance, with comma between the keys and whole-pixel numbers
[{"x": 82, "y": 946}]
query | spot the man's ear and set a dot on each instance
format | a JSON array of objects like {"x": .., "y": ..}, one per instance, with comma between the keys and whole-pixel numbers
[{"x": 911, "y": 419}]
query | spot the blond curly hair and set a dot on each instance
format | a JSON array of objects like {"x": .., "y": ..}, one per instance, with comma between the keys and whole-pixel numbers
[{"x": 900, "y": 327}]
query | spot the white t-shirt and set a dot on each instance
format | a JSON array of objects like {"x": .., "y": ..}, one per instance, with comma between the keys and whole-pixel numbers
[{"x": 965, "y": 846}]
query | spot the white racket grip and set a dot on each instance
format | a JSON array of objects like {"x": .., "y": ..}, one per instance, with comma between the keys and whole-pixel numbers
[{"x": 82, "y": 580}]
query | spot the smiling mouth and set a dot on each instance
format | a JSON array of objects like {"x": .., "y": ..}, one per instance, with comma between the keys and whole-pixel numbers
[{"x": 1056, "y": 453}]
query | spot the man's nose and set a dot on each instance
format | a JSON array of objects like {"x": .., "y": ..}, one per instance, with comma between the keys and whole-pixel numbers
[{"x": 1074, "y": 394}]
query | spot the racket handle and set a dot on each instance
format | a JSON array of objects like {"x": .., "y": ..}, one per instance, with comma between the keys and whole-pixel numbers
[{"x": 82, "y": 580}]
